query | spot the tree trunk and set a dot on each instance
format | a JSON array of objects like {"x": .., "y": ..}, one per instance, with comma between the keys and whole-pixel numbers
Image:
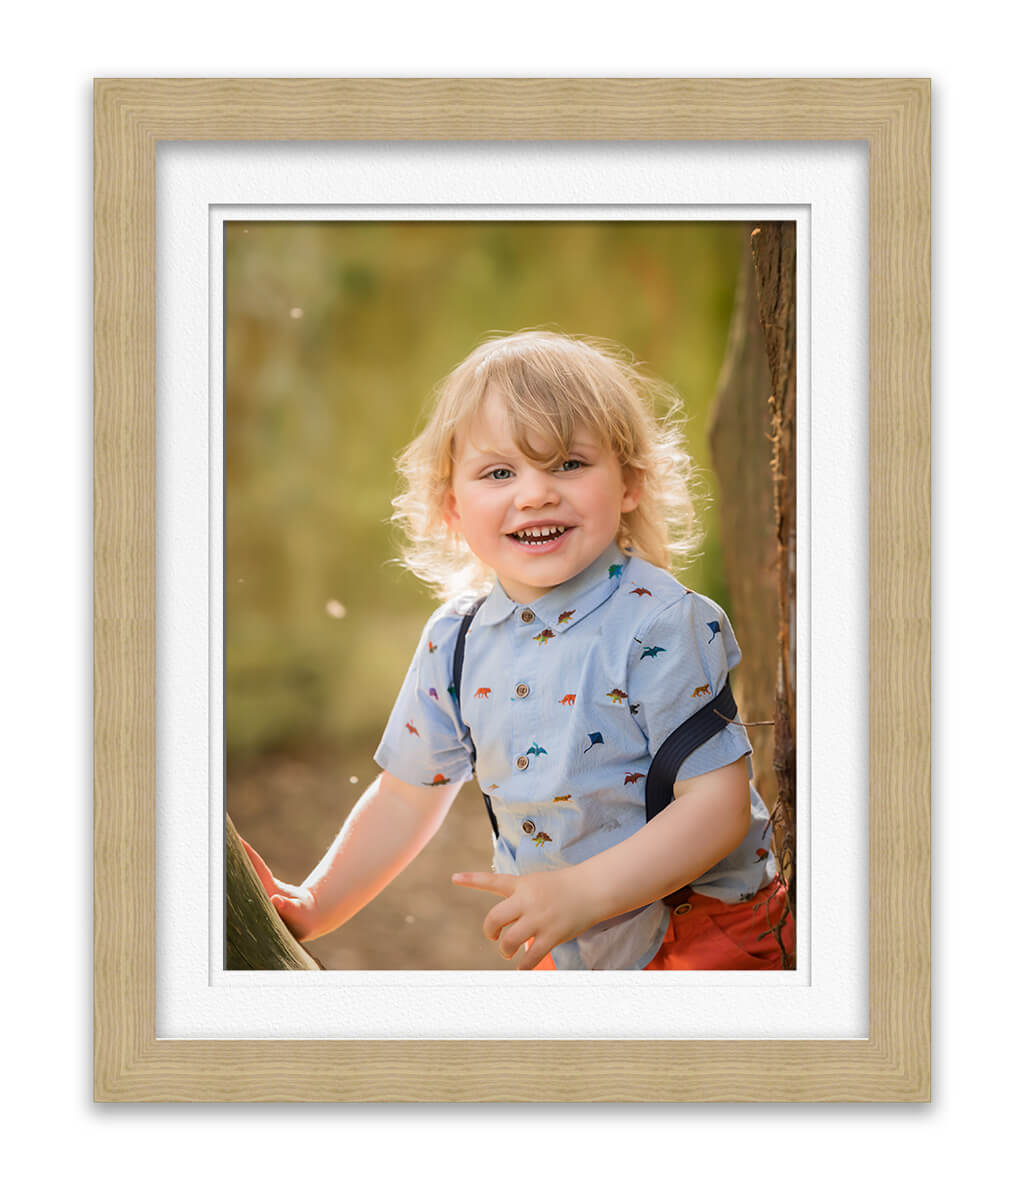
[
  {"x": 256, "y": 938},
  {"x": 774, "y": 250},
  {"x": 740, "y": 437},
  {"x": 755, "y": 410}
]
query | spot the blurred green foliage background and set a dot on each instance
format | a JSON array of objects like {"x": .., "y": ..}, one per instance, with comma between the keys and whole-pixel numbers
[{"x": 336, "y": 333}]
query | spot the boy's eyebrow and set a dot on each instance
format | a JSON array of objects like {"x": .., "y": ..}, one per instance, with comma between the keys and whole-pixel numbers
[
  {"x": 491, "y": 451},
  {"x": 582, "y": 445}
]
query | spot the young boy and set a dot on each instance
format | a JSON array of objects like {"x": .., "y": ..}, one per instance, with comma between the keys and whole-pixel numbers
[{"x": 544, "y": 483}]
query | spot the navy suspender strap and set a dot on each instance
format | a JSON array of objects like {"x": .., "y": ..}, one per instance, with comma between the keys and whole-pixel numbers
[
  {"x": 681, "y": 743},
  {"x": 459, "y": 659},
  {"x": 459, "y": 651},
  {"x": 674, "y": 751},
  {"x": 697, "y": 729}
]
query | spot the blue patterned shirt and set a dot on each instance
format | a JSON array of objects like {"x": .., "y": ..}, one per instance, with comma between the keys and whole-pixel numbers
[{"x": 568, "y": 699}]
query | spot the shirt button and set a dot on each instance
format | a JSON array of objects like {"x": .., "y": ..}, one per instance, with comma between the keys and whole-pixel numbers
[
  {"x": 527, "y": 826},
  {"x": 521, "y": 691},
  {"x": 521, "y": 762},
  {"x": 527, "y": 616}
]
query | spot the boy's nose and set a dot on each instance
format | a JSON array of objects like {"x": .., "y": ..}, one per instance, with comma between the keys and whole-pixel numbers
[{"x": 535, "y": 490}]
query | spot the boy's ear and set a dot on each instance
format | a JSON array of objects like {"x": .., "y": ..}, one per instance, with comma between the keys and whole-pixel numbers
[
  {"x": 634, "y": 481},
  {"x": 451, "y": 516}
]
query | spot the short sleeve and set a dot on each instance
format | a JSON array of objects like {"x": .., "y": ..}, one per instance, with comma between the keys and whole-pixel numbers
[
  {"x": 424, "y": 741},
  {"x": 679, "y": 659}
]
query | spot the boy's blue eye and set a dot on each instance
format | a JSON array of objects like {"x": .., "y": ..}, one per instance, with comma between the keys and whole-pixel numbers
[
  {"x": 498, "y": 473},
  {"x": 571, "y": 464}
]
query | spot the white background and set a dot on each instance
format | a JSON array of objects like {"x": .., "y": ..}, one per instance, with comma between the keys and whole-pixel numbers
[{"x": 58, "y": 1141}]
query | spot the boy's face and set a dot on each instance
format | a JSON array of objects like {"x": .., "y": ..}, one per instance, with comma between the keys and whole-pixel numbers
[{"x": 536, "y": 527}]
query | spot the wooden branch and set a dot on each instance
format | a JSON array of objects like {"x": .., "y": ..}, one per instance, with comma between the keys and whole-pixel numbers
[{"x": 256, "y": 937}]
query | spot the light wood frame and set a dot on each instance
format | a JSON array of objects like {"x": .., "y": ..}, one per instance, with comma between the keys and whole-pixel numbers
[{"x": 893, "y": 117}]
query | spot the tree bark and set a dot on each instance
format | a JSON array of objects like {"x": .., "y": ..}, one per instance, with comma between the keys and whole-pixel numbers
[
  {"x": 256, "y": 938},
  {"x": 753, "y": 440},
  {"x": 740, "y": 437},
  {"x": 774, "y": 251}
]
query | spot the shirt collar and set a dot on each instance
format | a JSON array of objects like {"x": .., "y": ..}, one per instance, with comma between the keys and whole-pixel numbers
[{"x": 565, "y": 605}]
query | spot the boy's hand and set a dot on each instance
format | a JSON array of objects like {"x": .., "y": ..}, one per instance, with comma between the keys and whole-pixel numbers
[
  {"x": 297, "y": 906},
  {"x": 548, "y": 907}
]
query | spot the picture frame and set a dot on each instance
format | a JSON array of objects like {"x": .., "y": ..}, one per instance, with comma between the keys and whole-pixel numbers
[{"x": 892, "y": 116}]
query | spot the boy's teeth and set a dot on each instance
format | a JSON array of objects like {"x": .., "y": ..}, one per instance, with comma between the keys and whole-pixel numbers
[{"x": 541, "y": 533}]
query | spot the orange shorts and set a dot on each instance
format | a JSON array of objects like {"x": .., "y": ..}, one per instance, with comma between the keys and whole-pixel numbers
[{"x": 705, "y": 934}]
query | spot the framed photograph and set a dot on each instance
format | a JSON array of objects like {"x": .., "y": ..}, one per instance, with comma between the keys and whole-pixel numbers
[{"x": 202, "y": 184}]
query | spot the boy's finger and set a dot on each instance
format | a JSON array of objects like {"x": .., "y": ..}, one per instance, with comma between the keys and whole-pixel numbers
[
  {"x": 286, "y": 907},
  {"x": 503, "y": 885},
  {"x": 251, "y": 852},
  {"x": 260, "y": 867},
  {"x": 513, "y": 937},
  {"x": 293, "y": 915},
  {"x": 499, "y": 917},
  {"x": 534, "y": 954}
]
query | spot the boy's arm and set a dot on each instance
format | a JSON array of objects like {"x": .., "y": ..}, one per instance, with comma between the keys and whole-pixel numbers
[
  {"x": 708, "y": 818},
  {"x": 390, "y": 824}
]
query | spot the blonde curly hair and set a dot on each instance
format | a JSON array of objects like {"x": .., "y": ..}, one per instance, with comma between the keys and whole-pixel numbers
[{"x": 551, "y": 383}]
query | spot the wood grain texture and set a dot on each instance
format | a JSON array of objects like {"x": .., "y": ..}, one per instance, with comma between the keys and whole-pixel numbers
[
  {"x": 893, "y": 118},
  {"x": 900, "y": 567}
]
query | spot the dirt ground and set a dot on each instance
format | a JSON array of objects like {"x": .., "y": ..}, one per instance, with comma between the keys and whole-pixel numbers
[{"x": 290, "y": 808}]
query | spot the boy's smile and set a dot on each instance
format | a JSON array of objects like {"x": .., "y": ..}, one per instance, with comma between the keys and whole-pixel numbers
[{"x": 535, "y": 526}]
